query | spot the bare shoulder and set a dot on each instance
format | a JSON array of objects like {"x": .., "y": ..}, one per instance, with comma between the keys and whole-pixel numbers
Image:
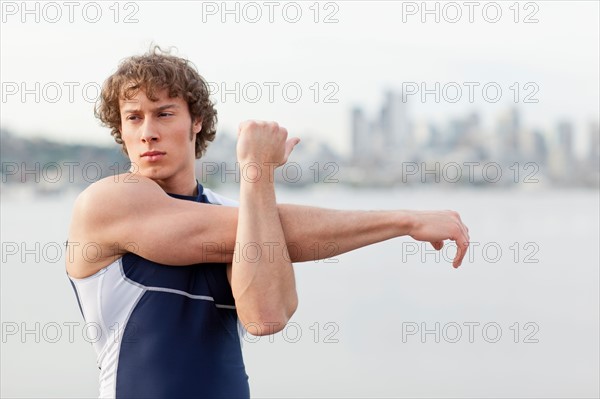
[
  {"x": 124, "y": 188},
  {"x": 98, "y": 211},
  {"x": 130, "y": 213},
  {"x": 110, "y": 199}
]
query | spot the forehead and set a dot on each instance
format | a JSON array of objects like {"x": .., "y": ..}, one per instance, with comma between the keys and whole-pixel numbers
[{"x": 141, "y": 100}]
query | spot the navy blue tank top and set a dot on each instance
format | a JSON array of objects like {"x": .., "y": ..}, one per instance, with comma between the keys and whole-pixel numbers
[{"x": 171, "y": 331}]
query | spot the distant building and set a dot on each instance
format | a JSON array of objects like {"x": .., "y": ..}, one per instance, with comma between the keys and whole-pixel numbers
[
  {"x": 508, "y": 132},
  {"x": 395, "y": 126},
  {"x": 385, "y": 139},
  {"x": 435, "y": 136},
  {"x": 361, "y": 138},
  {"x": 594, "y": 143},
  {"x": 564, "y": 132},
  {"x": 540, "y": 147}
]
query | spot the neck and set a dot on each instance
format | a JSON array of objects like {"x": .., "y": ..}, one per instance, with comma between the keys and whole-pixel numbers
[{"x": 188, "y": 187}]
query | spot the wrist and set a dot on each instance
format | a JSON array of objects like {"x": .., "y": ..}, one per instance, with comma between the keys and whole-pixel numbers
[
  {"x": 406, "y": 221},
  {"x": 253, "y": 171},
  {"x": 258, "y": 191}
]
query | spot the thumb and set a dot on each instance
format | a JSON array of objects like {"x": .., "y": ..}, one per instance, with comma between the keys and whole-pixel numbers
[{"x": 289, "y": 146}]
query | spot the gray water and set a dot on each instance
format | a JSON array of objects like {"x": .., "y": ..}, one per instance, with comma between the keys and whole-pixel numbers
[{"x": 518, "y": 319}]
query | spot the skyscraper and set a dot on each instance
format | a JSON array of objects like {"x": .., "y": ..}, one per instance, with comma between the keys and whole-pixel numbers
[
  {"x": 564, "y": 131},
  {"x": 361, "y": 140},
  {"x": 395, "y": 127},
  {"x": 594, "y": 143},
  {"x": 508, "y": 130}
]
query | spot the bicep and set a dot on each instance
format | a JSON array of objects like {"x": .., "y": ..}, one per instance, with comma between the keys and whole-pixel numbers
[
  {"x": 143, "y": 219},
  {"x": 181, "y": 232}
]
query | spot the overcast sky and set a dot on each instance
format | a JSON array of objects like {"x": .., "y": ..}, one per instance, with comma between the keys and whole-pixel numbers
[{"x": 366, "y": 48}]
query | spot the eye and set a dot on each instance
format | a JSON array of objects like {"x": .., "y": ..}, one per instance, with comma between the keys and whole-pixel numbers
[
  {"x": 165, "y": 114},
  {"x": 132, "y": 117}
]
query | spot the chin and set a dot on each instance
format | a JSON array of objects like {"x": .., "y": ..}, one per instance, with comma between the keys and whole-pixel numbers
[{"x": 155, "y": 173}]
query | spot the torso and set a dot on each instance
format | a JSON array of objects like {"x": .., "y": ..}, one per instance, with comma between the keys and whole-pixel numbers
[{"x": 164, "y": 331}]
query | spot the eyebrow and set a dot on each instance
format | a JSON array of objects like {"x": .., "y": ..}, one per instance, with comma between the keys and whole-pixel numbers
[{"x": 158, "y": 109}]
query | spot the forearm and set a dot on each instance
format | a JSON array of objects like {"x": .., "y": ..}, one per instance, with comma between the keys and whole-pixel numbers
[
  {"x": 263, "y": 281},
  {"x": 313, "y": 233},
  {"x": 317, "y": 233}
]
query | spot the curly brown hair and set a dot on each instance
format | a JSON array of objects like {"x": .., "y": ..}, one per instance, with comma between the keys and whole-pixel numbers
[{"x": 152, "y": 72}]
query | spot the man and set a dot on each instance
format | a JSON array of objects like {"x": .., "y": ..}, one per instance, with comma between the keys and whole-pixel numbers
[{"x": 171, "y": 280}]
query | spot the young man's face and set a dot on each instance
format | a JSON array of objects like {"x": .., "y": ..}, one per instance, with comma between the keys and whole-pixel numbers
[{"x": 159, "y": 135}]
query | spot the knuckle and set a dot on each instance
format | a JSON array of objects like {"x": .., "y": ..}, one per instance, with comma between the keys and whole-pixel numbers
[
  {"x": 456, "y": 230},
  {"x": 247, "y": 125}
]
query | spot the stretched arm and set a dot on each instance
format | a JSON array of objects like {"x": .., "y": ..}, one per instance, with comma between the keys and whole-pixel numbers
[{"x": 133, "y": 214}]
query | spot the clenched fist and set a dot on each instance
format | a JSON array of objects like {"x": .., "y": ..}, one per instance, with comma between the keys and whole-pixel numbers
[{"x": 265, "y": 143}]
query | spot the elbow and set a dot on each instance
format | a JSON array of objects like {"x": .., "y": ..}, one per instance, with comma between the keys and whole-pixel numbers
[
  {"x": 292, "y": 306},
  {"x": 268, "y": 321}
]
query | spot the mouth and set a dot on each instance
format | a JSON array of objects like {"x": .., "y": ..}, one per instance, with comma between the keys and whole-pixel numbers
[{"x": 152, "y": 156}]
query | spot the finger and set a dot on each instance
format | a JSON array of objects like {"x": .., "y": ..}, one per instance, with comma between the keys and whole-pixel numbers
[
  {"x": 242, "y": 125},
  {"x": 462, "y": 244},
  {"x": 283, "y": 131},
  {"x": 437, "y": 244},
  {"x": 455, "y": 262},
  {"x": 464, "y": 230},
  {"x": 466, "y": 237},
  {"x": 462, "y": 226}
]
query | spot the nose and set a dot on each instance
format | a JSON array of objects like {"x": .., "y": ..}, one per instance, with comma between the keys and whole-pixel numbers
[{"x": 149, "y": 131}]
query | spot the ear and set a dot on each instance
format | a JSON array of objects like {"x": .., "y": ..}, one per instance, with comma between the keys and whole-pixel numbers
[{"x": 197, "y": 126}]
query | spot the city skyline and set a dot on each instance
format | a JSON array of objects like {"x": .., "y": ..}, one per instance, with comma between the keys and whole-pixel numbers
[
  {"x": 389, "y": 139},
  {"x": 389, "y": 148}
]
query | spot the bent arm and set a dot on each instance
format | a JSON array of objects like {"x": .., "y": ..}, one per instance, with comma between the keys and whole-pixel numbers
[{"x": 262, "y": 278}]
